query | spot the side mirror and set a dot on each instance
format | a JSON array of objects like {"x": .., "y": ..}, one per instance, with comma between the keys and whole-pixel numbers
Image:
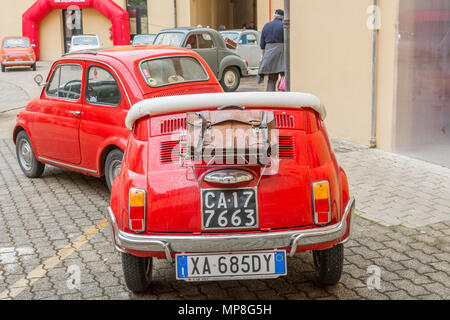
[{"x": 39, "y": 80}]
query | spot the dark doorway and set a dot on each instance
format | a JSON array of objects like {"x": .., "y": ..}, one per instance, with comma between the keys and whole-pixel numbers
[
  {"x": 72, "y": 25},
  {"x": 137, "y": 11}
]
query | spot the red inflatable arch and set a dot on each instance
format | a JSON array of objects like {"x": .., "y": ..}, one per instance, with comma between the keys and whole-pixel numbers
[{"x": 41, "y": 8}]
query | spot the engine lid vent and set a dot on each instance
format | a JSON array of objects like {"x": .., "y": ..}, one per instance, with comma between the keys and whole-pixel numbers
[{"x": 286, "y": 147}]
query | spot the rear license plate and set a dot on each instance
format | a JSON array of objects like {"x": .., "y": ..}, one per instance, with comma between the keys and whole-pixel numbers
[
  {"x": 19, "y": 60},
  {"x": 229, "y": 209},
  {"x": 231, "y": 266}
]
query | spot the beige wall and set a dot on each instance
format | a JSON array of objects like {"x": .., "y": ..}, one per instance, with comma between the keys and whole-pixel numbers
[
  {"x": 96, "y": 23},
  {"x": 11, "y": 17},
  {"x": 332, "y": 47},
  {"x": 51, "y": 36},
  {"x": 386, "y": 74}
]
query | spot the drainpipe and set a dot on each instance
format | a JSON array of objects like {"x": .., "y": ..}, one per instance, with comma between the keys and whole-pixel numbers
[
  {"x": 175, "y": 23},
  {"x": 287, "y": 43},
  {"x": 373, "y": 139}
]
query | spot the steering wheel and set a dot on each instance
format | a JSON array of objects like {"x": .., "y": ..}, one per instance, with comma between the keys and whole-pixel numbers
[{"x": 69, "y": 85}]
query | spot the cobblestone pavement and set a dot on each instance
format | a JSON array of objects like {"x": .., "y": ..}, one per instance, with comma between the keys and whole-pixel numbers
[{"x": 55, "y": 225}]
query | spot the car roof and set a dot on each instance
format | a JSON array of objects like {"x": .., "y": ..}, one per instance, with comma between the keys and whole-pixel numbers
[
  {"x": 129, "y": 54},
  {"x": 17, "y": 37},
  {"x": 188, "y": 29}
]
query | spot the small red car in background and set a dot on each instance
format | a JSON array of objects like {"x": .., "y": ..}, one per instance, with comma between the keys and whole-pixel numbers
[
  {"x": 78, "y": 121},
  {"x": 228, "y": 186},
  {"x": 17, "y": 52}
]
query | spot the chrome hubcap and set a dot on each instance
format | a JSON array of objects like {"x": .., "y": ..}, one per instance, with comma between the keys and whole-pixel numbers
[
  {"x": 26, "y": 154},
  {"x": 230, "y": 78},
  {"x": 114, "y": 170}
]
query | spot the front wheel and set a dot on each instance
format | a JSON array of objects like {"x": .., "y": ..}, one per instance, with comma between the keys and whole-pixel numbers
[
  {"x": 112, "y": 166},
  {"x": 329, "y": 264},
  {"x": 137, "y": 272},
  {"x": 231, "y": 79},
  {"x": 25, "y": 155},
  {"x": 33, "y": 67},
  {"x": 3, "y": 68}
]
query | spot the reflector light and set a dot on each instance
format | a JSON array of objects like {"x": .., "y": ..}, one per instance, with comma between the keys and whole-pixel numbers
[
  {"x": 321, "y": 202},
  {"x": 136, "y": 209}
]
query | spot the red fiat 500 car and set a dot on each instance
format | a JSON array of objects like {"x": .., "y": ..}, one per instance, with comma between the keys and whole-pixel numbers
[
  {"x": 228, "y": 186},
  {"x": 78, "y": 121},
  {"x": 17, "y": 52}
]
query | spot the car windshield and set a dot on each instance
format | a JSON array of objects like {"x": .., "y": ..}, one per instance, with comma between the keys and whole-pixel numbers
[
  {"x": 16, "y": 43},
  {"x": 144, "y": 39},
  {"x": 170, "y": 39},
  {"x": 231, "y": 35},
  {"x": 85, "y": 41},
  {"x": 172, "y": 70}
]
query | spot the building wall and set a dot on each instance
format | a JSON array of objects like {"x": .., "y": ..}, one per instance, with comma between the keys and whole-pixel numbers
[
  {"x": 332, "y": 47},
  {"x": 51, "y": 36}
]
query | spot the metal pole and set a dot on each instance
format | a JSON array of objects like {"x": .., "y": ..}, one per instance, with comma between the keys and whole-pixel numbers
[
  {"x": 287, "y": 43},
  {"x": 373, "y": 139},
  {"x": 175, "y": 23}
]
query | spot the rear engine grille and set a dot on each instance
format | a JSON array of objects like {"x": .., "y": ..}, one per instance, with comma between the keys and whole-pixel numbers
[
  {"x": 284, "y": 121},
  {"x": 286, "y": 147},
  {"x": 170, "y": 151},
  {"x": 173, "y": 125}
]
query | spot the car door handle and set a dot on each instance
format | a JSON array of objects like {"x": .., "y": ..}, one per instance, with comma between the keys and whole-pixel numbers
[{"x": 75, "y": 113}]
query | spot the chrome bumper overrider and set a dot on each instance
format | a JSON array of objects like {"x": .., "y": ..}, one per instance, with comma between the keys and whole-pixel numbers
[
  {"x": 17, "y": 63},
  {"x": 232, "y": 242}
]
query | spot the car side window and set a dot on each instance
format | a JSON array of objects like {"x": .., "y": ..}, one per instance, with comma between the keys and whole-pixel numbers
[
  {"x": 66, "y": 82},
  {"x": 191, "y": 42},
  {"x": 248, "y": 39},
  {"x": 205, "y": 41},
  {"x": 102, "y": 87}
]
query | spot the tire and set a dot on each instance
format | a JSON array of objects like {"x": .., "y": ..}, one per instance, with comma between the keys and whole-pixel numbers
[
  {"x": 30, "y": 166},
  {"x": 137, "y": 272},
  {"x": 113, "y": 163},
  {"x": 329, "y": 264},
  {"x": 231, "y": 78},
  {"x": 33, "y": 67},
  {"x": 3, "y": 68}
]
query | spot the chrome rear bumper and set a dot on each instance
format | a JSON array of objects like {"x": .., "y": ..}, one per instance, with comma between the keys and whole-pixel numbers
[{"x": 232, "y": 242}]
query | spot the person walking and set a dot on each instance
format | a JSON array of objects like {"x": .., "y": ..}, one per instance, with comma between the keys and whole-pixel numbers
[{"x": 272, "y": 46}]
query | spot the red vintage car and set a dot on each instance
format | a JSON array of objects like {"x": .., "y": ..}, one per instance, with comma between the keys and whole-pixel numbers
[
  {"x": 78, "y": 121},
  {"x": 228, "y": 186},
  {"x": 17, "y": 52}
]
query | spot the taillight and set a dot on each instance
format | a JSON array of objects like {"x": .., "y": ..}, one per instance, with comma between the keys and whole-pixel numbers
[
  {"x": 321, "y": 202},
  {"x": 137, "y": 200}
]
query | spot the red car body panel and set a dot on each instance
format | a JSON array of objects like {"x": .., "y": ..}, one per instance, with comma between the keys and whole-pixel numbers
[
  {"x": 80, "y": 142},
  {"x": 173, "y": 192}
]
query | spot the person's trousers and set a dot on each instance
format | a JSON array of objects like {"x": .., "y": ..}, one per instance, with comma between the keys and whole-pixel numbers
[{"x": 272, "y": 82}]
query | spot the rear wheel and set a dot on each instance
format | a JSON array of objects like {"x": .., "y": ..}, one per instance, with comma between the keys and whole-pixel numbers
[
  {"x": 137, "y": 272},
  {"x": 33, "y": 67},
  {"x": 112, "y": 166},
  {"x": 3, "y": 68},
  {"x": 231, "y": 79},
  {"x": 329, "y": 264},
  {"x": 25, "y": 155}
]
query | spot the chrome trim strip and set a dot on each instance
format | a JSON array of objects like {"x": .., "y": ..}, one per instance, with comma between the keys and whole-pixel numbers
[
  {"x": 231, "y": 242},
  {"x": 18, "y": 63},
  {"x": 66, "y": 165}
]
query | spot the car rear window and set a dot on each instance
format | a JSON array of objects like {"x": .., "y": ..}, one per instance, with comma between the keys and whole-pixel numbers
[
  {"x": 16, "y": 43},
  {"x": 170, "y": 39},
  {"x": 172, "y": 70}
]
